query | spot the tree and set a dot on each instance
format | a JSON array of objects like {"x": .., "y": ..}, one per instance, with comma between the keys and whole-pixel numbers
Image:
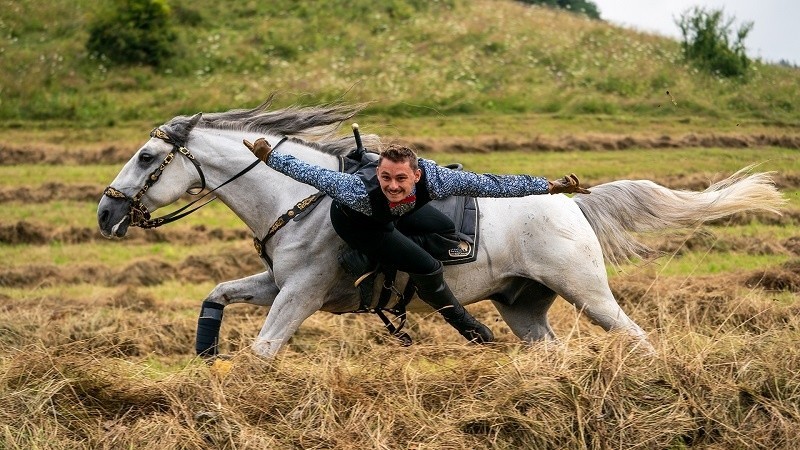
[
  {"x": 134, "y": 32},
  {"x": 710, "y": 42}
]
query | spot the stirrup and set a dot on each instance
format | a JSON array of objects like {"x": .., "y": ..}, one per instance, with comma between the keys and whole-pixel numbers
[{"x": 363, "y": 277}]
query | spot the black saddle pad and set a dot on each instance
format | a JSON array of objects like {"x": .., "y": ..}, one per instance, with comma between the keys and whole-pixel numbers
[{"x": 464, "y": 213}]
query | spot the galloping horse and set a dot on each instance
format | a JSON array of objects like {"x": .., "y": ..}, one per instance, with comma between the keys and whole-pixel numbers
[{"x": 531, "y": 250}]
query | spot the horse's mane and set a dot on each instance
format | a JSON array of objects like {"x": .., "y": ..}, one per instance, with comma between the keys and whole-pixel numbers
[{"x": 311, "y": 126}]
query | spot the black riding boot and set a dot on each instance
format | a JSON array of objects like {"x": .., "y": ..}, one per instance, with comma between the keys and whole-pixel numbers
[{"x": 434, "y": 291}]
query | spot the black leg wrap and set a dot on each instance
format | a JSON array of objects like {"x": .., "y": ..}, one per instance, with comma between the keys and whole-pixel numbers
[{"x": 208, "y": 329}]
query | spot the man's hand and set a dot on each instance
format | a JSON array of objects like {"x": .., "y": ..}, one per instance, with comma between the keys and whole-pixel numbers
[
  {"x": 567, "y": 185},
  {"x": 260, "y": 148}
]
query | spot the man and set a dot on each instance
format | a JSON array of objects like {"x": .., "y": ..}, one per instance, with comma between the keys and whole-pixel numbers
[{"x": 365, "y": 211}]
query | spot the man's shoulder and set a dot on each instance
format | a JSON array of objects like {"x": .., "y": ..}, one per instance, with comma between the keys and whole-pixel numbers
[{"x": 427, "y": 163}]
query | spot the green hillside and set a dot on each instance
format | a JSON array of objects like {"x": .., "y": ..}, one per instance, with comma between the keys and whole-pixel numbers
[{"x": 411, "y": 58}]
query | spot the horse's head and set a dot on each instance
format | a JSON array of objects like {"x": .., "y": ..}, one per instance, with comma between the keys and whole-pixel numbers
[
  {"x": 157, "y": 175},
  {"x": 164, "y": 168}
]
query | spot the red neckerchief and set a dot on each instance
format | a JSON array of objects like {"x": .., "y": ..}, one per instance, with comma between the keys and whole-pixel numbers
[{"x": 410, "y": 199}]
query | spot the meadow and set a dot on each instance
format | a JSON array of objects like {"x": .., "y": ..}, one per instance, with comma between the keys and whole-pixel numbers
[{"x": 97, "y": 336}]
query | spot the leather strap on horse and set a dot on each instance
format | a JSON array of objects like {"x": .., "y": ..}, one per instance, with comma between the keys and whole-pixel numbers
[
  {"x": 294, "y": 213},
  {"x": 399, "y": 310},
  {"x": 296, "y": 210},
  {"x": 299, "y": 210},
  {"x": 140, "y": 216}
]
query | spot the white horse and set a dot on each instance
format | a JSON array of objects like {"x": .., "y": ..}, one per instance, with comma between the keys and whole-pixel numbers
[{"x": 531, "y": 249}]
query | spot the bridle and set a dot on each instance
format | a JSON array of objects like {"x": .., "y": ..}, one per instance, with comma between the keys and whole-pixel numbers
[{"x": 138, "y": 213}]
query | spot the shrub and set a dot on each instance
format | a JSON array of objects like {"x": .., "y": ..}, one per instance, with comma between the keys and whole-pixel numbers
[
  {"x": 710, "y": 42},
  {"x": 134, "y": 32},
  {"x": 586, "y": 7}
]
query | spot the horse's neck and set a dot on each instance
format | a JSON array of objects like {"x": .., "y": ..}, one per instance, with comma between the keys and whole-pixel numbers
[{"x": 261, "y": 195}]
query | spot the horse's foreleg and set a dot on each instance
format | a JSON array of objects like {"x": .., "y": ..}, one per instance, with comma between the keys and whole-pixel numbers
[
  {"x": 259, "y": 289},
  {"x": 290, "y": 309}
]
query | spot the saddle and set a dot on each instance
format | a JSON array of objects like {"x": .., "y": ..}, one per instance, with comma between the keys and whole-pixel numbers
[{"x": 464, "y": 213}]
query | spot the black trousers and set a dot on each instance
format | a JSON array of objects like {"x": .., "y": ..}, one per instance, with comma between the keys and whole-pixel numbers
[{"x": 395, "y": 244}]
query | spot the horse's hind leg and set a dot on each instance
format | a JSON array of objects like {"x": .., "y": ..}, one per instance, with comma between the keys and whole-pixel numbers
[
  {"x": 523, "y": 305},
  {"x": 592, "y": 296}
]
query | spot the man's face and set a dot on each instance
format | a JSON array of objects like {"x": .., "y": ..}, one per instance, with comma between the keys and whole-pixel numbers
[{"x": 397, "y": 179}]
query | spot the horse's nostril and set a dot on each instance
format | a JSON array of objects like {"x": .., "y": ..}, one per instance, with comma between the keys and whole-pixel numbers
[{"x": 103, "y": 217}]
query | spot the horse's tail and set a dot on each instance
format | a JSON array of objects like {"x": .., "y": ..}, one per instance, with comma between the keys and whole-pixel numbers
[{"x": 617, "y": 209}]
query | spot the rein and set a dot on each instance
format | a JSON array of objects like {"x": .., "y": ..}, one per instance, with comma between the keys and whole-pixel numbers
[{"x": 140, "y": 216}]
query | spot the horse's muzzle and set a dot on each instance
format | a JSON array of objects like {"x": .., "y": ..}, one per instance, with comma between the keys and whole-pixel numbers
[{"x": 113, "y": 217}]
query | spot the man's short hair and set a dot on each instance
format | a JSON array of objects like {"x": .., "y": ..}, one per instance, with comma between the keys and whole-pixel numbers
[{"x": 399, "y": 153}]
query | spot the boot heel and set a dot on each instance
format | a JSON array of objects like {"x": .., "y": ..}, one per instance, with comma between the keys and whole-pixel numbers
[{"x": 432, "y": 289}]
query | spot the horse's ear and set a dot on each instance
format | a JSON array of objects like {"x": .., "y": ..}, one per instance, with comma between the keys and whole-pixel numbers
[
  {"x": 194, "y": 120},
  {"x": 179, "y": 128}
]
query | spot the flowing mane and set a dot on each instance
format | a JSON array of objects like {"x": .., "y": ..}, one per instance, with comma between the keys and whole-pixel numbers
[{"x": 311, "y": 126}]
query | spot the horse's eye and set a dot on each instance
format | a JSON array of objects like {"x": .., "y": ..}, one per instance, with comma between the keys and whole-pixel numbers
[{"x": 145, "y": 157}]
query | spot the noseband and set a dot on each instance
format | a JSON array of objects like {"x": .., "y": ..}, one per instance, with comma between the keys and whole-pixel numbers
[{"x": 138, "y": 213}]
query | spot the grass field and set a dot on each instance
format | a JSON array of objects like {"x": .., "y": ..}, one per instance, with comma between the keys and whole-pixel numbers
[
  {"x": 410, "y": 58},
  {"x": 96, "y": 342}
]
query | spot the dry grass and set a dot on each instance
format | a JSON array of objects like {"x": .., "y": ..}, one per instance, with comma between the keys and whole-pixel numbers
[{"x": 119, "y": 373}]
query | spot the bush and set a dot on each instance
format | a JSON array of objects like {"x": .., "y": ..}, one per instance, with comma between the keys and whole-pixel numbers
[
  {"x": 586, "y": 7},
  {"x": 134, "y": 32},
  {"x": 709, "y": 41}
]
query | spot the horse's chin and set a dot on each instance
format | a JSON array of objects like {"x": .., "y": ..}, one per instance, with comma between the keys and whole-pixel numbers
[{"x": 117, "y": 231}]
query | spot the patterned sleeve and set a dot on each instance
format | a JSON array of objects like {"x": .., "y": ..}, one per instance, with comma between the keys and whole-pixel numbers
[
  {"x": 345, "y": 188},
  {"x": 443, "y": 182}
]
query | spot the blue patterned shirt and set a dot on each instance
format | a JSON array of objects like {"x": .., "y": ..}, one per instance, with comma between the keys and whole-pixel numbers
[{"x": 442, "y": 182}]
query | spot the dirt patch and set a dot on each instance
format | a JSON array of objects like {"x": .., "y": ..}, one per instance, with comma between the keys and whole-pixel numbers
[
  {"x": 787, "y": 218},
  {"x": 142, "y": 272},
  {"x": 793, "y": 245},
  {"x": 24, "y": 232},
  {"x": 703, "y": 241},
  {"x": 10, "y": 155},
  {"x": 784, "y": 278},
  {"x": 51, "y": 191},
  {"x": 218, "y": 267},
  {"x": 30, "y": 276},
  {"x": 606, "y": 142},
  {"x": 134, "y": 299},
  {"x": 146, "y": 272}
]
